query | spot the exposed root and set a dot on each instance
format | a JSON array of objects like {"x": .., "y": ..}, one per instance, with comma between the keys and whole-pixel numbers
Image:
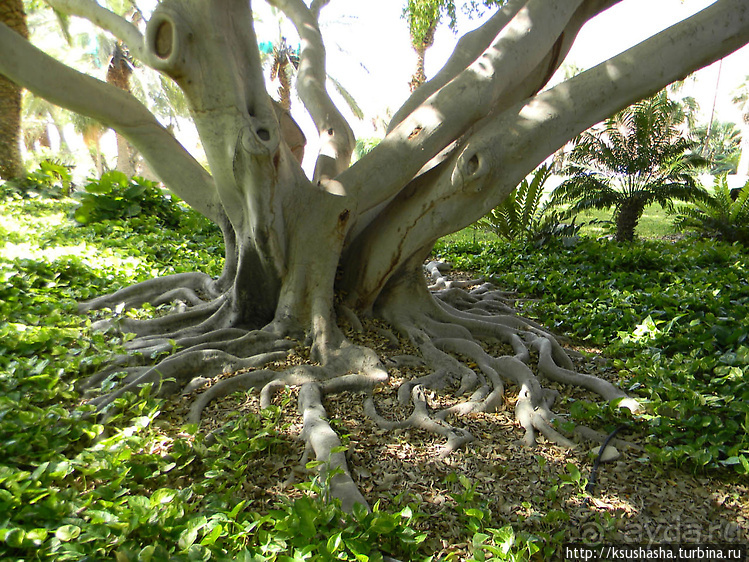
[
  {"x": 436, "y": 269},
  {"x": 174, "y": 373},
  {"x": 194, "y": 288},
  {"x": 469, "y": 346},
  {"x": 420, "y": 418},
  {"x": 326, "y": 445},
  {"x": 197, "y": 320}
]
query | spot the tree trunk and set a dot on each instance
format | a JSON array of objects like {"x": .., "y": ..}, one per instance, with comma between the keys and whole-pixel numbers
[
  {"x": 627, "y": 216},
  {"x": 280, "y": 70},
  {"x": 11, "y": 163},
  {"x": 118, "y": 74},
  {"x": 419, "y": 76}
]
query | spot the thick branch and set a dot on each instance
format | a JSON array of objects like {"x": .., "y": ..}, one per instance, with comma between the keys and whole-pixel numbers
[
  {"x": 474, "y": 43},
  {"x": 497, "y": 157},
  {"x": 38, "y": 72},
  {"x": 336, "y": 137},
  {"x": 107, "y": 20},
  {"x": 522, "y": 45},
  {"x": 534, "y": 80},
  {"x": 467, "y": 50}
]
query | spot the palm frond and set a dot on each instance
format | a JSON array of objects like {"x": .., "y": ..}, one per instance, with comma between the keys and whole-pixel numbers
[
  {"x": 718, "y": 215},
  {"x": 634, "y": 158},
  {"x": 532, "y": 194},
  {"x": 348, "y": 98},
  {"x": 520, "y": 214}
]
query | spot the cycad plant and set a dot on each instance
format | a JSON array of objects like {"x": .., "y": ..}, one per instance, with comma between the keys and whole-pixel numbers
[
  {"x": 724, "y": 214},
  {"x": 638, "y": 157},
  {"x": 521, "y": 215}
]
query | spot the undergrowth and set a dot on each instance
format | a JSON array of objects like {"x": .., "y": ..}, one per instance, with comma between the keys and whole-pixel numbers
[
  {"x": 76, "y": 487},
  {"x": 669, "y": 316},
  {"x": 133, "y": 486}
]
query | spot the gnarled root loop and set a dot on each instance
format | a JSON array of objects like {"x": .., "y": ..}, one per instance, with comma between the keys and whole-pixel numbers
[{"x": 467, "y": 346}]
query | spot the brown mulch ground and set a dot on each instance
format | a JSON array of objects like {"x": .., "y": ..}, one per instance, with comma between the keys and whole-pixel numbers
[{"x": 634, "y": 500}]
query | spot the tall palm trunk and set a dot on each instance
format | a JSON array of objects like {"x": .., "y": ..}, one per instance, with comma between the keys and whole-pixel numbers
[
  {"x": 419, "y": 77},
  {"x": 11, "y": 162},
  {"x": 118, "y": 73},
  {"x": 280, "y": 70}
]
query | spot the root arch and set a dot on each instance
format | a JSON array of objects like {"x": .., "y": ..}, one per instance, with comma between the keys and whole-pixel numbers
[{"x": 462, "y": 344}]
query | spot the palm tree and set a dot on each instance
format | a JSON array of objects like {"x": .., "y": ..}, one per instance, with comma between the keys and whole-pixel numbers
[
  {"x": 722, "y": 147},
  {"x": 741, "y": 99},
  {"x": 634, "y": 159},
  {"x": 11, "y": 163},
  {"x": 423, "y": 17},
  {"x": 118, "y": 73}
]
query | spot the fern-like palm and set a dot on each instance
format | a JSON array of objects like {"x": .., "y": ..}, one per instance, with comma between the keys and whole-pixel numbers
[
  {"x": 520, "y": 215},
  {"x": 634, "y": 159},
  {"x": 724, "y": 214}
]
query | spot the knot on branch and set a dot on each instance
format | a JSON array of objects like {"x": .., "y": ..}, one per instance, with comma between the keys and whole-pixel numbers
[
  {"x": 165, "y": 42},
  {"x": 258, "y": 138},
  {"x": 471, "y": 172}
]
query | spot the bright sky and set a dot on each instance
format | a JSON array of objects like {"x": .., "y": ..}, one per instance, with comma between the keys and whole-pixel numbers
[
  {"x": 369, "y": 53},
  {"x": 369, "y": 50}
]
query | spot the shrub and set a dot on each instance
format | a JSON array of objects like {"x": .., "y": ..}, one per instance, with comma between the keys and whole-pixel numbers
[
  {"x": 522, "y": 216},
  {"x": 51, "y": 179},
  {"x": 634, "y": 159},
  {"x": 724, "y": 214},
  {"x": 115, "y": 196}
]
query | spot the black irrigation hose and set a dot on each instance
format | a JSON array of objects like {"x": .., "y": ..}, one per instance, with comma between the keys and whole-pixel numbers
[{"x": 590, "y": 486}]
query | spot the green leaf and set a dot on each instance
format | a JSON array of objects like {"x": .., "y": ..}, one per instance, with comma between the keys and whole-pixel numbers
[
  {"x": 360, "y": 512},
  {"x": 37, "y": 536},
  {"x": 134, "y": 191},
  {"x": 574, "y": 472},
  {"x": 98, "y": 187},
  {"x": 187, "y": 538},
  {"x": 212, "y": 536},
  {"x": 334, "y": 543},
  {"x": 14, "y": 537},
  {"x": 472, "y": 512},
  {"x": 83, "y": 214},
  {"x": 304, "y": 509},
  {"x": 133, "y": 210},
  {"x": 236, "y": 509},
  {"x": 67, "y": 533},
  {"x": 382, "y": 524},
  {"x": 505, "y": 537},
  {"x": 162, "y": 496}
]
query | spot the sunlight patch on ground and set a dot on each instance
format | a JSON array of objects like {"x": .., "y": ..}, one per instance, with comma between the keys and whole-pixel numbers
[
  {"x": 29, "y": 223},
  {"x": 88, "y": 255}
]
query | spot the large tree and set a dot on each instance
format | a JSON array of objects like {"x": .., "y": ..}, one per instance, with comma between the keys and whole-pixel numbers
[
  {"x": 13, "y": 15},
  {"x": 349, "y": 243}
]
